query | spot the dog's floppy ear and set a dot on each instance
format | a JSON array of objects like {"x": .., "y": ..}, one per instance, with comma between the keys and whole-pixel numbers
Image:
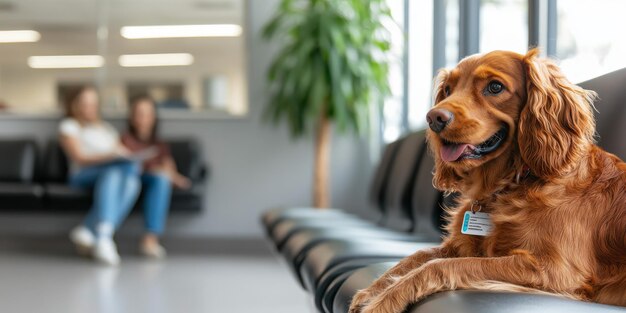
[
  {"x": 439, "y": 86},
  {"x": 556, "y": 126}
]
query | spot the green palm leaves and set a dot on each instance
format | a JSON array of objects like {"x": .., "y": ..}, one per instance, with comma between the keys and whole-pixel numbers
[{"x": 333, "y": 62}]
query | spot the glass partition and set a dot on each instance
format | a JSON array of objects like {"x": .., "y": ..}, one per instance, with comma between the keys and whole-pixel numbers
[
  {"x": 589, "y": 40},
  {"x": 504, "y": 25},
  {"x": 187, "y": 54}
]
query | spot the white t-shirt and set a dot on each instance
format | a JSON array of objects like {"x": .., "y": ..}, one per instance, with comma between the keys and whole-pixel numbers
[{"x": 93, "y": 139}]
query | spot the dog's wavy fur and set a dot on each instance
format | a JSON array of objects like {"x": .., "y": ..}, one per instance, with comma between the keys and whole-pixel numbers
[{"x": 560, "y": 229}]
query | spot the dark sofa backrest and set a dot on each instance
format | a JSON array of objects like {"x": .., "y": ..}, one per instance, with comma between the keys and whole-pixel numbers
[
  {"x": 186, "y": 152},
  {"x": 381, "y": 174},
  {"x": 425, "y": 203},
  {"x": 55, "y": 163},
  {"x": 611, "y": 111},
  {"x": 401, "y": 175},
  {"x": 18, "y": 159}
]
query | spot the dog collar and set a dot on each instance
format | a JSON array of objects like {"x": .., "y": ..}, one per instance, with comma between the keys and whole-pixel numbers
[
  {"x": 476, "y": 206},
  {"x": 525, "y": 172}
]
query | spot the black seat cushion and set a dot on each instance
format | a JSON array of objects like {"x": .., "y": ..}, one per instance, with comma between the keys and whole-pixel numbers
[
  {"x": 324, "y": 257},
  {"x": 20, "y": 196},
  {"x": 61, "y": 197},
  {"x": 329, "y": 294},
  {"x": 402, "y": 172},
  {"x": 426, "y": 211},
  {"x": 357, "y": 280},
  {"x": 466, "y": 301},
  {"x": 283, "y": 231},
  {"x": 273, "y": 217},
  {"x": 332, "y": 280},
  {"x": 297, "y": 246}
]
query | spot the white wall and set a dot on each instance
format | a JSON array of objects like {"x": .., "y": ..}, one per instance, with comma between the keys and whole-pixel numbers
[
  {"x": 255, "y": 166},
  {"x": 24, "y": 88}
]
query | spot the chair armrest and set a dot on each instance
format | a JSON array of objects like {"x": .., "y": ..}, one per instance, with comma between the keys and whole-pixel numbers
[{"x": 202, "y": 174}]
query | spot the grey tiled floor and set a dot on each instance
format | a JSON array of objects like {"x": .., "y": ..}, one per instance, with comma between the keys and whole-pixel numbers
[{"x": 62, "y": 283}]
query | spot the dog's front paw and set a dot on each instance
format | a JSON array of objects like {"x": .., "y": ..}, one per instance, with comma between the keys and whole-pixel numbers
[
  {"x": 360, "y": 299},
  {"x": 381, "y": 306},
  {"x": 392, "y": 300}
]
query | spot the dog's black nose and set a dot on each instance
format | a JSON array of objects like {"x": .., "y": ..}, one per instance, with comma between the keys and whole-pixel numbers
[{"x": 438, "y": 119}]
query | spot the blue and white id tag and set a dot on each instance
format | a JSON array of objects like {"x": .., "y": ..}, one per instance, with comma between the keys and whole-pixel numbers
[{"x": 477, "y": 224}]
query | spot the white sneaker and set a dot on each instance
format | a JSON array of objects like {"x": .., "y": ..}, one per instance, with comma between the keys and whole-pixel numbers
[
  {"x": 83, "y": 239},
  {"x": 105, "y": 251},
  {"x": 155, "y": 251}
]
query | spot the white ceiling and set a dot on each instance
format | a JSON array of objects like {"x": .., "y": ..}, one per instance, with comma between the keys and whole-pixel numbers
[
  {"x": 68, "y": 13},
  {"x": 69, "y": 27}
]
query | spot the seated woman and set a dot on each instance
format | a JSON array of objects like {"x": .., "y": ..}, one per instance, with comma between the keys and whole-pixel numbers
[
  {"x": 97, "y": 161},
  {"x": 159, "y": 172}
]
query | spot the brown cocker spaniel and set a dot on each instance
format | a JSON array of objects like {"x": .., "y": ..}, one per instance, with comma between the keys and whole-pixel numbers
[{"x": 543, "y": 209}]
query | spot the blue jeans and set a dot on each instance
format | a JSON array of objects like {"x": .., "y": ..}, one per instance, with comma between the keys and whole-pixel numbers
[
  {"x": 115, "y": 186},
  {"x": 157, "y": 192}
]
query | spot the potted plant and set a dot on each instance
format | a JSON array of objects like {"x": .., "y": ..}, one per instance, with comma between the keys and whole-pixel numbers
[{"x": 331, "y": 68}]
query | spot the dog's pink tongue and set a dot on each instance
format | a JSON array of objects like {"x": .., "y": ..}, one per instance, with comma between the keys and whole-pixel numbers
[{"x": 452, "y": 152}]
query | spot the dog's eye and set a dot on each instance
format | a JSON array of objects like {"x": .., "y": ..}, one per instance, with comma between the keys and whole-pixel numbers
[
  {"x": 446, "y": 91},
  {"x": 495, "y": 87}
]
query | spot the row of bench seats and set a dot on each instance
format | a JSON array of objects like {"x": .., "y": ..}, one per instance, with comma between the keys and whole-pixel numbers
[
  {"x": 33, "y": 181},
  {"x": 333, "y": 253}
]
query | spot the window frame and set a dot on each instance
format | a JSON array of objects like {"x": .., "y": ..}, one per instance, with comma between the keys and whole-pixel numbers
[{"x": 542, "y": 32}]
